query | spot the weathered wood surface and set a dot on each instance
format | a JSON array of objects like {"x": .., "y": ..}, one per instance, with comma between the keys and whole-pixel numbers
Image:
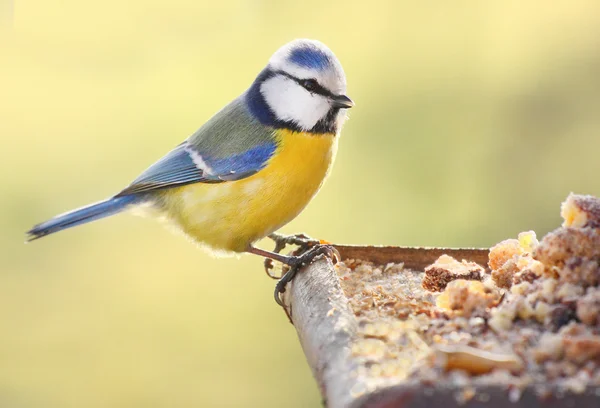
[{"x": 327, "y": 326}]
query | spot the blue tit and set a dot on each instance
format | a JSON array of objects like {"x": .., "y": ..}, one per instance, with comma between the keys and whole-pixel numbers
[{"x": 253, "y": 167}]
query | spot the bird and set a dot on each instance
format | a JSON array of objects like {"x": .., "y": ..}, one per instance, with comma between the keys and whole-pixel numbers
[{"x": 251, "y": 168}]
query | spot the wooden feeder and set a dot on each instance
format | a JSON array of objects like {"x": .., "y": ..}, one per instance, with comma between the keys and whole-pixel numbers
[{"x": 369, "y": 350}]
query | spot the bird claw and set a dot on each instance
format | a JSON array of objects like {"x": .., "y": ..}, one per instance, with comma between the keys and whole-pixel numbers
[
  {"x": 303, "y": 241},
  {"x": 297, "y": 262},
  {"x": 268, "y": 267}
]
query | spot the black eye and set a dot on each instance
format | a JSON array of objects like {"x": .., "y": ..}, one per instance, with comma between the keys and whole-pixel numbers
[{"x": 310, "y": 84}]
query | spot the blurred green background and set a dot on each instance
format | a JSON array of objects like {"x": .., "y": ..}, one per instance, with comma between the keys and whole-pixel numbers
[{"x": 473, "y": 121}]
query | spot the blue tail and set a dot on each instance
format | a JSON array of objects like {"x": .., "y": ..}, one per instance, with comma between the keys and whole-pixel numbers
[{"x": 80, "y": 216}]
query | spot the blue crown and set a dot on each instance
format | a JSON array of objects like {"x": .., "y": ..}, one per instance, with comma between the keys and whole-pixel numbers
[{"x": 309, "y": 56}]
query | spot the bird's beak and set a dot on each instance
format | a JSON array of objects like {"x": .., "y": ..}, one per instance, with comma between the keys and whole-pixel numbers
[{"x": 341, "y": 101}]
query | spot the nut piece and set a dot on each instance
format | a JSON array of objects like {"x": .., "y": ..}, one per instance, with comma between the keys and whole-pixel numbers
[
  {"x": 446, "y": 269},
  {"x": 582, "y": 348},
  {"x": 531, "y": 324},
  {"x": 581, "y": 211},
  {"x": 474, "y": 361}
]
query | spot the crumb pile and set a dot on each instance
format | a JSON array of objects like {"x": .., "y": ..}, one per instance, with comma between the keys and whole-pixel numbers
[{"x": 530, "y": 319}]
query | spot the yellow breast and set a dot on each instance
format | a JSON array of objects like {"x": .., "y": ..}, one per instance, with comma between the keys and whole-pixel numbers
[{"x": 230, "y": 216}]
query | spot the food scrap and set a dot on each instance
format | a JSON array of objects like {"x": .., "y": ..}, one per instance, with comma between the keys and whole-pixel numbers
[
  {"x": 446, "y": 269},
  {"x": 530, "y": 320}
]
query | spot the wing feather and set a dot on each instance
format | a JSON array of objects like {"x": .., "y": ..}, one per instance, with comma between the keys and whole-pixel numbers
[{"x": 231, "y": 146}]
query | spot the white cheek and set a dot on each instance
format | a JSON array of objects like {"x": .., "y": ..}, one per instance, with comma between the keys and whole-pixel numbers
[{"x": 291, "y": 102}]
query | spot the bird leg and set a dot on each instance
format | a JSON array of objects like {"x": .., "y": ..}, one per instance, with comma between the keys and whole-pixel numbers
[
  {"x": 303, "y": 241},
  {"x": 295, "y": 262}
]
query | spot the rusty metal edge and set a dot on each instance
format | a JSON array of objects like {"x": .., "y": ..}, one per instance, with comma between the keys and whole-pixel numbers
[
  {"x": 412, "y": 257},
  {"x": 415, "y": 395}
]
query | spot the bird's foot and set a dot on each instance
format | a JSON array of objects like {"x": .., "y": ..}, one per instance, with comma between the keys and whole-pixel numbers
[
  {"x": 302, "y": 241},
  {"x": 297, "y": 262}
]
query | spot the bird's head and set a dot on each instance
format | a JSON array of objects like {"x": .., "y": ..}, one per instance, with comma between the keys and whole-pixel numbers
[{"x": 302, "y": 88}]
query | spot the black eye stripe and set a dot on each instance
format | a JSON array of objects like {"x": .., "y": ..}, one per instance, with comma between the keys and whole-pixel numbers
[{"x": 310, "y": 84}]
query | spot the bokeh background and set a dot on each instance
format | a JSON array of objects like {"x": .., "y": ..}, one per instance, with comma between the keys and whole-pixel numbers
[{"x": 473, "y": 121}]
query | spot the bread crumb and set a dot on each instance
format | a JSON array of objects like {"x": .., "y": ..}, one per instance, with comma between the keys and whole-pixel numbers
[
  {"x": 502, "y": 317},
  {"x": 588, "y": 307},
  {"x": 569, "y": 250},
  {"x": 453, "y": 324},
  {"x": 569, "y": 291},
  {"x": 511, "y": 261},
  {"x": 466, "y": 296},
  {"x": 550, "y": 347},
  {"x": 502, "y": 252},
  {"x": 581, "y": 211},
  {"x": 446, "y": 269},
  {"x": 528, "y": 241}
]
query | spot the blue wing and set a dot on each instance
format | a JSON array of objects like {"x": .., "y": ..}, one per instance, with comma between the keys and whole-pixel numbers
[{"x": 231, "y": 146}]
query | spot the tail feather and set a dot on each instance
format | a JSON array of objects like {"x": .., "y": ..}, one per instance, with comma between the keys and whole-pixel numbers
[{"x": 80, "y": 216}]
